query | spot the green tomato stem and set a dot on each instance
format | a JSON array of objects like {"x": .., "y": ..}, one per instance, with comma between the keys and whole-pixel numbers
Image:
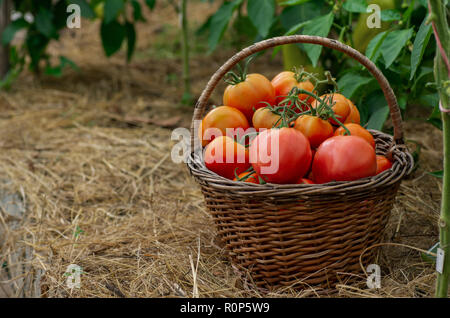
[{"x": 441, "y": 73}]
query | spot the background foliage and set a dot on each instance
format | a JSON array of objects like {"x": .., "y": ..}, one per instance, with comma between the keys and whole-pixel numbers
[{"x": 402, "y": 48}]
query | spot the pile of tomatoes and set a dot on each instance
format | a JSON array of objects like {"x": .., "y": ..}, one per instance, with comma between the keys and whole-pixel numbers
[{"x": 281, "y": 131}]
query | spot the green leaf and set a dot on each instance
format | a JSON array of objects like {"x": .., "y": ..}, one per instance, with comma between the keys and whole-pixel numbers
[
  {"x": 137, "y": 11},
  {"x": 373, "y": 51},
  {"x": 86, "y": 10},
  {"x": 393, "y": 44},
  {"x": 435, "y": 118},
  {"x": 320, "y": 27},
  {"x": 359, "y": 6},
  {"x": 112, "y": 35},
  {"x": 11, "y": 29},
  {"x": 377, "y": 119},
  {"x": 261, "y": 13},
  {"x": 219, "y": 22},
  {"x": 437, "y": 174},
  {"x": 44, "y": 22},
  {"x": 419, "y": 46},
  {"x": 351, "y": 82},
  {"x": 131, "y": 39},
  {"x": 390, "y": 15},
  {"x": 291, "y": 31},
  {"x": 112, "y": 9},
  {"x": 292, "y": 2},
  {"x": 150, "y": 4}
]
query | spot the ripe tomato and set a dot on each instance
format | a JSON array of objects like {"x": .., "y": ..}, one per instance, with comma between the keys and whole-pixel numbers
[
  {"x": 383, "y": 163},
  {"x": 280, "y": 155},
  {"x": 354, "y": 116},
  {"x": 284, "y": 82},
  {"x": 341, "y": 107},
  {"x": 221, "y": 117},
  {"x": 226, "y": 157},
  {"x": 305, "y": 181},
  {"x": 250, "y": 177},
  {"x": 250, "y": 94},
  {"x": 356, "y": 130},
  {"x": 344, "y": 158},
  {"x": 314, "y": 128},
  {"x": 265, "y": 118}
]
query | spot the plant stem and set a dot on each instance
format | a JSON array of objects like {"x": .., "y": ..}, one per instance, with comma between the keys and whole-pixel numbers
[
  {"x": 441, "y": 74},
  {"x": 187, "y": 97}
]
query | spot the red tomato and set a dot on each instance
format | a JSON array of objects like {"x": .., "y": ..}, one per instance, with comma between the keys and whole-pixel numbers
[
  {"x": 383, "y": 163},
  {"x": 314, "y": 128},
  {"x": 251, "y": 177},
  {"x": 226, "y": 157},
  {"x": 305, "y": 181},
  {"x": 280, "y": 155},
  {"x": 344, "y": 158},
  {"x": 284, "y": 82},
  {"x": 341, "y": 107},
  {"x": 221, "y": 117},
  {"x": 354, "y": 116},
  {"x": 356, "y": 130},
  {"x": 265, "y": 118},
  {"x": 250, "y": 94}
]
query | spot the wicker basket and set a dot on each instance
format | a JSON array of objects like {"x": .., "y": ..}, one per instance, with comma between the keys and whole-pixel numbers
[{"x": 302, "y": 235}]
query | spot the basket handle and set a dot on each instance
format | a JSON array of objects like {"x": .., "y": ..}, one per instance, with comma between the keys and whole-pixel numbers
[{"x": 276, "y": 41}]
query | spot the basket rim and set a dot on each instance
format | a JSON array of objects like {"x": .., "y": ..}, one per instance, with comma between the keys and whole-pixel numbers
[{"x": 403, "y": 164}]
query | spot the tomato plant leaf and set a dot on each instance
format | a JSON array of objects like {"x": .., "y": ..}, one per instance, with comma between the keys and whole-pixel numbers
[
  {"x": 137, "y": 11},
  {"x": 390, "y": 15},
  {"x": 85, "y": 8},
  {"x": 373, "y": 49},
  {"x": 351, "y": 82},
  {"x": 219, "y": 22},
  {"x": 435, "y": 118},
  {"x": 292, "y": 2},
  {"x": 320, "y": 27},
  {"x": 393, "y": 44},
  {"x": 44, "y": 22},
  {"x": 131, "y": 39},
  {"x": 377, "y": 119},
  {"x": 150, "y": 4},
  {"x": 261, "y": 13},
  {"x": 112, "y": 35},
  {"x": 359, "y": 6},
  {"x": 112, "y": 9},
  {"x": 419, "y": 46},
  {"x": 11, "y": 29}
]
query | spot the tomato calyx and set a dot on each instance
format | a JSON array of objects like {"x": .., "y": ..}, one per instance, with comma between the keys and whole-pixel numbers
[
  {"x": 248, "y": 174},
  {"x": 233, "y": 78}
]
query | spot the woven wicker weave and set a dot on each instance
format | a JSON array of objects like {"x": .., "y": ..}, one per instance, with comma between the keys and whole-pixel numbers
[{"x": 302, "y": 234}]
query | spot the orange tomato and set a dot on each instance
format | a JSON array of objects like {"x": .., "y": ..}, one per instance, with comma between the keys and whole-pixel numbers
[
  {"x": 251, "y": 177},
  {"x": 341, "y": 107},
  {"x": 284, "y": 82},
  {"x": 221, "y": 118},
  {"x": 250, "y": 94},
  {"x": 226, "y": 157},
  {"x": 265, "y": 118},
  {"x": 314, "y": 128},
  {"x": 383, "y": 163},
  {"x": 356, "y": 130},
  {"x": 354, "y": 116}
]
